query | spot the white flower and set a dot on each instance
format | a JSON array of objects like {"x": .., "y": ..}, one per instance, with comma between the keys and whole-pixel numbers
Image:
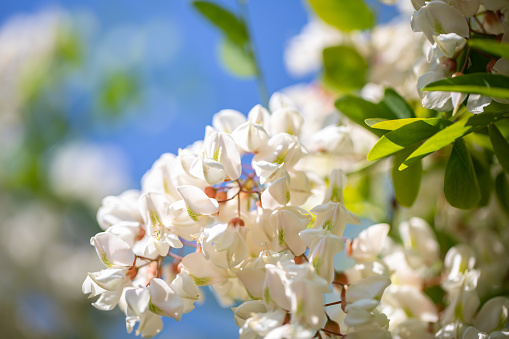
[
  {"x": 286, "y": 224},
  {"x": 369, "y": 243},
  {"x": 467, "y": 7},
  {"x": 333, "y": 217},
  {"x": 227, "y": 120},
  {"x": 493, "y": 315},
  {"x": 220, "y": 160},
  {"x": 255, "y": 320},
  {"x": 250, "y": 136},
  {"x": 445, "y": 45},
  {"x": 154, "y": 207},
  {"x": 436, "y": 18},
  {"x": 418, "y": 237},
  {"x": 282, "y": 151},
  {"x": 277, "y": 195},
  {"x": 112, "y": 250},
  {"x": 203, "y": 271},
  {"x": 185, "y": 287},
  {"x": 368, "y": 288},
  {"x": 108, "y": 285},
  {"x": 226, "y": 237},
  {"x": 115, "y": 209},
  {"x": 197, "y": 202},
  {"x": 286, "y": 120}
]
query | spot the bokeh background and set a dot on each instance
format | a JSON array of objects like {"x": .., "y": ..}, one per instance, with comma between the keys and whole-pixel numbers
[{"x": 91, "y": 94}]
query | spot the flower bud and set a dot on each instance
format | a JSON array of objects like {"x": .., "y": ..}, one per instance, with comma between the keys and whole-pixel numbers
[{"x": 449, "y": 63}]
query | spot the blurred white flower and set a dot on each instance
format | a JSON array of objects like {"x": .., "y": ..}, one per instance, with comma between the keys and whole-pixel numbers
[{"x": 87, "y": 172}]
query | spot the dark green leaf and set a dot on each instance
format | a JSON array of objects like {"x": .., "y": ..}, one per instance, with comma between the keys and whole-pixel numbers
[
  {"x": 345, "y": 15},
  {"x": 358, "y": 110},
  {"x": 232, "y": 27},
  {"x": 397, "y": 104},
  {"x": 451, "y": 133},
  {"x": 406, "y": 183},
  {"x": 492, "y": 47},
  {"x": 461, "y": 188},
  {"x": 493, "y": 85},
  {"x": 483, "y": 173},
  {"x": 500, "y": 146},
  {"x": 502, "y": 190},
  {"x": 405, "y": 136},
  {"x": 236, "y": 59},
  {"x": 344, "y": 68}
]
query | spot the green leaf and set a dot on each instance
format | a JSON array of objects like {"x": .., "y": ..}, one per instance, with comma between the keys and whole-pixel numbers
[
  {"x": 461, "y": 188},
  {"x": 236, "y": 59},
  {"x": 397, "y": 104},
  {"x": 493, "y": 85},
  {"x": 358, "y": 110},
  {"x": 391, "y": 125},
  {"x": 500, "y": 146},
  {"x": 373, "y": 121},
  {"x": 344, "y": 68},
  {"x": 405, "y": 136},
  {"x": 483, "y": 173},
  {"x": 345, "y": 15},
  {"x": 492, "y": 47},
  {"x": 502, "y": 190},
  {"x": 451, "y": 133},
  {"x": 406, "y": 183},
  {"x": 232, "y": 27}
]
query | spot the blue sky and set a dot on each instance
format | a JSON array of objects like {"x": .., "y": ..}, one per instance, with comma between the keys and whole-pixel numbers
[{"x": 184, "y": 82}]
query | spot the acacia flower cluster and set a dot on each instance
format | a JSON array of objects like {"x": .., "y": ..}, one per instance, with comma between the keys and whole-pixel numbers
[
  {"x": 233, "y": 212},
  {"x": 448, "y": 25},
  {"x": 226, "y": 212}
]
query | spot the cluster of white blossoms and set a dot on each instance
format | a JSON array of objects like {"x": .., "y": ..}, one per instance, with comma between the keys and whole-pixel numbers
[
  {"x": 233, "y": 212},
  {"x": 226, "y": 212},
  {"x": 403, "y": 272},
  {"x": 448, "y": 25},
  {"x": 393, "y": 62},
  {"x": 255, "y": 211}
]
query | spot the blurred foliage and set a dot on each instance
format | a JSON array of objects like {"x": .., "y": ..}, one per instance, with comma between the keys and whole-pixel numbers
[
  {"x": 344, "y": 69},
  {"x": 42, "y": 230},
  {"x": 345, "y": 15}
]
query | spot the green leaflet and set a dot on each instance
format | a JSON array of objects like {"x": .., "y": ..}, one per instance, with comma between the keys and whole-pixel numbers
[
  {"x": 493, "y": 85},
  {"x": 450, "y": 133},
  {"x": 500, "y": 147},
  {"x": 373, "y": 121},
  {"x": 233, "y": 28},
  {"x": 345, "y": 15},
  {"x": 237, "y": 59},
  {"x": 502, "y": 190},
  {"x": 344, "y": 68},
  {"x": 491, "y": 47},
  {"x": 397, "y": 104},
  {"x": 407, "y": 182},
  {"x": 483, "y": 173},
  {"x": 358, "y": 110},
  {"x": 391, "y": 125},
  {"x": 404, "y": 136},
  {"x": 461, "y": 187}
]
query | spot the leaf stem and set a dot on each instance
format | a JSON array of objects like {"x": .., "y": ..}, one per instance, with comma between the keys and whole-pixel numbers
[{"x": 262, "y": 87}]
